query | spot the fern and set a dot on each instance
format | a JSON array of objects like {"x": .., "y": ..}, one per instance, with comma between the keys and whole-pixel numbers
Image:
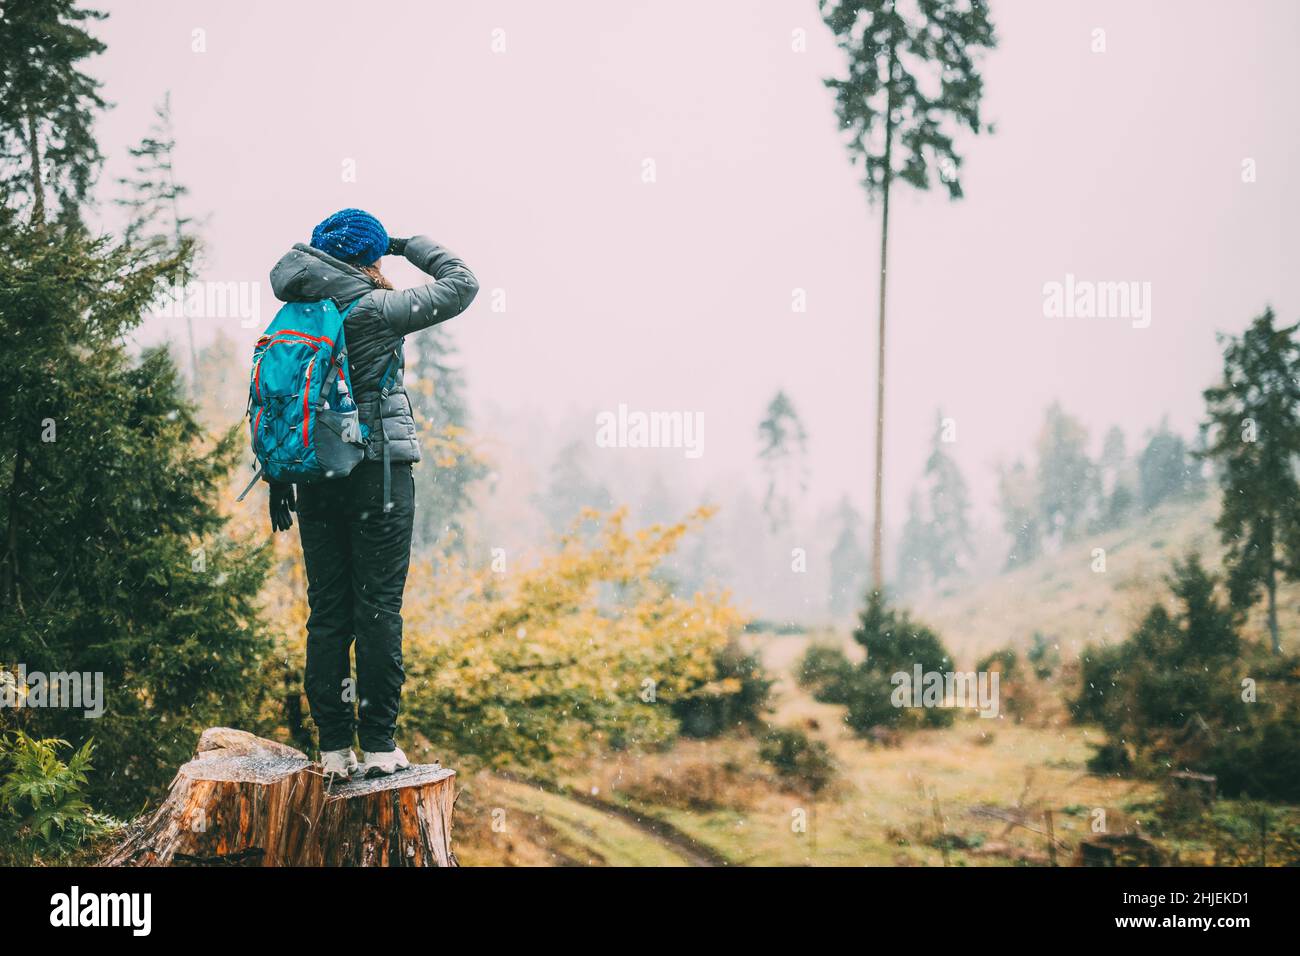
[{"x": 42, "y": 808}]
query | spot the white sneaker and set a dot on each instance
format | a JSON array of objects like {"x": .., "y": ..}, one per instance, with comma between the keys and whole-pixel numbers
[
  {"x": 338, "y": 765},
  {"x": 382, "y": 764}
]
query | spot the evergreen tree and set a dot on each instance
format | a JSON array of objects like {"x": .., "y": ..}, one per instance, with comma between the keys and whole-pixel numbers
[
  {"x": 153, "y": 201},
  {"x": 1067, "y": 481},
  {"x": 949, "y": 532},
  {"x": 116, "y": 561},
  {"x": 1019, "y": 503},
  {"x": 1114, "y": 452},
  {"x": 896, "y": 126},
  {"x": 1252, "y": 432},
  {"x": 894, "y": 643},
  {"x": 153, "y": 195},
  {"x": 47, "y": 106},
  {"x": 436, "y": 387},
  {"x": 1114, "y": 497},
  {"x": 1174, "y": 668},
  {"x": 914, "y": 547},
  {"x": 1164, "y": 469},
  {"x": 1118, "y": 505},
  {"x": 847, "y": 560},
  {"x": 571, "y": 488},
  {"x": 782, "y": 454}
]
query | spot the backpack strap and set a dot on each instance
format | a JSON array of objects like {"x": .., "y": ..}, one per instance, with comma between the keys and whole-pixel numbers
[
  {"x": 390, "y": 375},
  {"x": 340, "y": 353},
  {"x": 249, "y": 487},
  {"x": 388, "y": 472},
  {"x": 385, "y": 386}
]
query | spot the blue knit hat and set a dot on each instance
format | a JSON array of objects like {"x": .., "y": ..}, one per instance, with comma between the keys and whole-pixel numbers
[{"x": 352, "y": 235}]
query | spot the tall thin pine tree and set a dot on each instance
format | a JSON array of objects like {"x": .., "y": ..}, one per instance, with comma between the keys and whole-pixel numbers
[{"x": 912, "y": 83}]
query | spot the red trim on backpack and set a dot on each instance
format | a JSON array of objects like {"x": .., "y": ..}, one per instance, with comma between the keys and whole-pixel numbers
[
  {"x": 306, "y": 399},
  {"x": 312, "y": 338},
  {"x": 276, "y": 340}
]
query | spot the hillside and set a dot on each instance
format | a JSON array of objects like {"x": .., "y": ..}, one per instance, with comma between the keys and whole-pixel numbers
[{"x": 1060, "y": 596}]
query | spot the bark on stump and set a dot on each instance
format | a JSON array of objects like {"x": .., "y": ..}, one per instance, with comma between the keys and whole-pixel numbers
[{"x": 245, "y": 801}]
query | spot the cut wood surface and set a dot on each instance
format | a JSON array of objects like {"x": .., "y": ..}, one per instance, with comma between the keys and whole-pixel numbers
[{"x": 246, "y": 801}]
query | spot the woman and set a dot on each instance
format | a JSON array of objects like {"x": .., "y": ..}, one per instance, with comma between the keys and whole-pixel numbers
[{"x": 356, "y": 531}]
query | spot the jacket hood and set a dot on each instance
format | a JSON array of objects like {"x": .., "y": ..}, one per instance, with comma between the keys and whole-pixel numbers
[{"x": 304, "y": 274}]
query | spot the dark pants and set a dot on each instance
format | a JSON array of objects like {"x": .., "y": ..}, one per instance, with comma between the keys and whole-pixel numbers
[{"x": 357, "y": 555}]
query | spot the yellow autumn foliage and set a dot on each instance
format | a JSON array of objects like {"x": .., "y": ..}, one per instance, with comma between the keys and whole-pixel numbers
[{"x": 587, "y": 648}]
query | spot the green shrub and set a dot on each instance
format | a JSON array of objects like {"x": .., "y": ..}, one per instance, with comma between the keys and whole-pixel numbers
[
  {"x": 799, "y": 758},
  {"x": 1171, "y": 693},
  {"x": 826, "y": 673},
  {"x": 870, "y": 703},
  {"x": 1250, "y": 833},
  {"x": 42, "y": 808},
  {"x": 1260, "y": 759},
  {"x": 894, "y": 642},
  {"x": 1109, "y": 759},
  {"x": 708, "y": 714},
  {"x": 1099, "y": 673},
  {"x": 1175, "y": 668}
]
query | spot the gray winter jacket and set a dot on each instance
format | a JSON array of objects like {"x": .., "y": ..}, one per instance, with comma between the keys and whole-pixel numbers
[{"x": 376, "y": 325}]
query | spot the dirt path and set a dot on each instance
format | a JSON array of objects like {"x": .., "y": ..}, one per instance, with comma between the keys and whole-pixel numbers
[{"x": 684, "y": 845}]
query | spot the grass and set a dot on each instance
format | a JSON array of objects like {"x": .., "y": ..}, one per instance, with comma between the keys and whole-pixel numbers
[
  {"x": 885, "y": 811},
  {"x": 893, "y": 806},
  {"x": 973, "y": 794},
  {"x": 537, "y": 828}
]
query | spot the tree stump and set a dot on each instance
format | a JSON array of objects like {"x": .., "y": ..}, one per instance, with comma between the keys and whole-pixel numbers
[{"x": 245, "y": 801}]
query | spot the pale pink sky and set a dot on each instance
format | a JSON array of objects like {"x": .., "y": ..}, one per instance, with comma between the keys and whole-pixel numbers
[{"x": 1123, "y": 165}]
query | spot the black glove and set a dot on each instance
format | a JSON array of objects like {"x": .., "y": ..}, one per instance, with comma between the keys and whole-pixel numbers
[
  {"x": 282, "y": 502},
  {"x": 397, "y": 247}
]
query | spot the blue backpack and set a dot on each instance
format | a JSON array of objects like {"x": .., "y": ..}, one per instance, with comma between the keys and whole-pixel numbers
[{"x": 303, "y": 420}]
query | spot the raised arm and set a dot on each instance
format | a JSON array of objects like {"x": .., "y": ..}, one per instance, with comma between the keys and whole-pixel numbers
[{"x": 451, "y": 292}]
